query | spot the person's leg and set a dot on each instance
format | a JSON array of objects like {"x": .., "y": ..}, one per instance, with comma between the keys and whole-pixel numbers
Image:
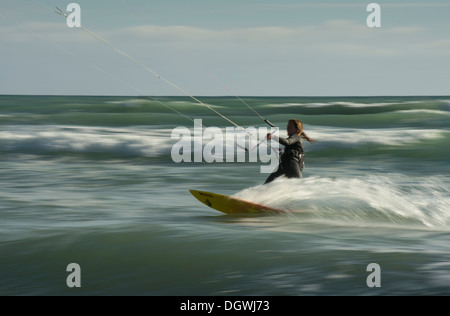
[
  {"x": 275, "y": 174},
  {"x": 293, "y": 169}
]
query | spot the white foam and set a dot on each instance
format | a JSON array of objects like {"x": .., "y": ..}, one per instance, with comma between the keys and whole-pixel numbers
[
  {"x": 344, "y": 104},
  {"x": 388, "y": 136},
  {"x": 391, "y": 198},
  {"x": 86, "y": 139},
  {"x": 133, "y": 103},
  {"x": 152, "y": 142},
  {"x": 422, "y": 111}
]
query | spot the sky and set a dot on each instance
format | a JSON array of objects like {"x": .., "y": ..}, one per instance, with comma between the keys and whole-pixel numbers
[{"x": 218, "y": 48}]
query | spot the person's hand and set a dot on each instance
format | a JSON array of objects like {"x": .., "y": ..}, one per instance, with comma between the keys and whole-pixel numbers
[{"x": 269, "y": 136}]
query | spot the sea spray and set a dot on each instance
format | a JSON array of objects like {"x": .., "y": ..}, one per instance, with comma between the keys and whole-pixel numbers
[{"x": 372, "y": 200}]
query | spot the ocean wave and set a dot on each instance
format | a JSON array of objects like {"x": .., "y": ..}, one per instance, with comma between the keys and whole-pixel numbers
[
  {"x": 131, "y": 103},
  {"x": 391, "y": 136},
  {"x": 423, "y": 111},
  {"x": 145, "y": 142},
  {"x": 347, "y": 104},
  {"x": 118, "y": 141},
  {"x": 133, "y": 111}
]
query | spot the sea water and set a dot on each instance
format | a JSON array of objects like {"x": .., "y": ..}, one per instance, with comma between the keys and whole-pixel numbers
[{"x": 91, "y": 181}]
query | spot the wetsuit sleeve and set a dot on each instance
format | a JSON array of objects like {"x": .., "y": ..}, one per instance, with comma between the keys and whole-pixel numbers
[{"x": 289, "y": 141}]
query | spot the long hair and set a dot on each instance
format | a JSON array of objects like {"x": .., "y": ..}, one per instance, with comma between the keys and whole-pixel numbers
[{"x": 300, "y": 132}]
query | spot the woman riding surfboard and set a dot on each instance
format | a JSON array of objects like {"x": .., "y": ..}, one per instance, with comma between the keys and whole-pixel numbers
[{"x": 291, "y": 162}]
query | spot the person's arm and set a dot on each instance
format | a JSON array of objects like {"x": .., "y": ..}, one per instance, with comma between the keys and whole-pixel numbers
[
  {"x": 290, "y": 140},
  {"x": 285, "y": 141}
]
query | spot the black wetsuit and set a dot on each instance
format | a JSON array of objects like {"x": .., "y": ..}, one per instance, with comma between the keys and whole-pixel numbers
[{"x": 291, "y": 162}]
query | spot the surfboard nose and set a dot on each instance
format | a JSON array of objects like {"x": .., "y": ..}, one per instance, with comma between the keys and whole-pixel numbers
[{"x": 231, "y": 205}]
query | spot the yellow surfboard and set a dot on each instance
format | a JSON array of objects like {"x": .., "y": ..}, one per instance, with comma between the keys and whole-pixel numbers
[{"x": 230, "y": 205}]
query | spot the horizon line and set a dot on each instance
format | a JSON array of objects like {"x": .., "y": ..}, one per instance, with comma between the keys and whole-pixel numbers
[{"x": 229, "y": 96}]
